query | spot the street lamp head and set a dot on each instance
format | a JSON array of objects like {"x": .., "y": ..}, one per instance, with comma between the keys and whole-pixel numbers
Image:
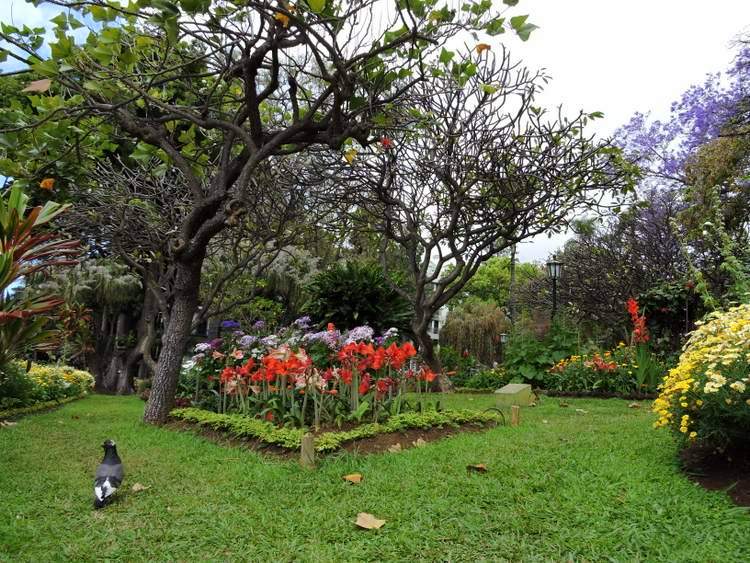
[
  {"x": 554, "y": 268},
  {"x": 503, "y": 338}
]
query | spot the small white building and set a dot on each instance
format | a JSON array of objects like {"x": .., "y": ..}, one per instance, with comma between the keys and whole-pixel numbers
[{"x": 437, "y": 322}]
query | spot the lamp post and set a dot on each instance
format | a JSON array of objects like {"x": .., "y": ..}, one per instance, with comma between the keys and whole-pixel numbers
[
  {"x": 503, "y": 342},
  {"x": 554, "y": 271}
]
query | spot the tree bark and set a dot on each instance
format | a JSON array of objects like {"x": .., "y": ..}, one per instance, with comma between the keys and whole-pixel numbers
[
  {"x": 174, "y": 341},
  {"x": 427, "y": 351},
  {"x": 512, "y": 287}
]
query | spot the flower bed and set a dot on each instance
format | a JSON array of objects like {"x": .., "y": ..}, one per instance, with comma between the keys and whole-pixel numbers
[
  {"x": 706, "y": 398},
  {"x": 20, "y": 389},
  {"x": 240, "y": 426},
  {"x": 302, "y": 377}
]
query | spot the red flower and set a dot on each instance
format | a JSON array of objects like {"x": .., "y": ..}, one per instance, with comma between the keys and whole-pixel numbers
[
  {"x": 640, "y": 331},
  {"x": 364, "y": 384},
  {"x": 386, "y": 142},
  {"x": 346, "y": 375},
  {"x": 227, "y": 375},
  {"x": 269, "y": 416},
  {"x": 426, "y": 374},
  {"x": 409, "y": 350},
  {"x": 331, "y": 327}
]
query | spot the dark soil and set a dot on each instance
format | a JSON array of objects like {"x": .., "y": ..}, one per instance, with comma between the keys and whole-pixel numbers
[
  {"x": 376, "y": 444},
  {"x": 728, "y": 471}
]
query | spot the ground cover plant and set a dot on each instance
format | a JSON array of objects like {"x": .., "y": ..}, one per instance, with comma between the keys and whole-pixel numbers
[{"x": 599, "y": 485}]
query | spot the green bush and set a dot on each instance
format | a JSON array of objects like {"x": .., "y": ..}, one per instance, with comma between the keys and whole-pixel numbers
[
  {"x": 16, "y": 388},
  {"x": 355, "y": 294},
  {"x": 488, "y": 379},
  {"x": 528, "y": 357},
  {"x": 41, "y": 384},
  {"x": 460, "y": 367},
  {"x": 475, "y": 326}
]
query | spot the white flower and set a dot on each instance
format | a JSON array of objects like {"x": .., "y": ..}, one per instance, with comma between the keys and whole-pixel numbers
[{"x": 738, "y": 386}]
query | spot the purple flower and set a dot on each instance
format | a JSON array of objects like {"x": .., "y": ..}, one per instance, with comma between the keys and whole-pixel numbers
[
  {"x": 329, "y": 338},
  {"x": 248, "y": 340},
  {"x": 230, "y": 324},
  {"x": 270, "y": 341},
  {"x": 203, "y": 347},
  {"x": 303, "y": 322},
  {"x": 216, "y": 343},
  {"x": 259, "y": 325},
  {"x": 359, "y": 334}
]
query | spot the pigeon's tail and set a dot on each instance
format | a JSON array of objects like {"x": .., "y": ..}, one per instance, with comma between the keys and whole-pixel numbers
[{"x": 99, "y": 503}]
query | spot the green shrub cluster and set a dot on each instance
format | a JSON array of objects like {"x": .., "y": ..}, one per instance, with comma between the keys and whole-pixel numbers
[
  {"x": 291, "y": 438},
  {"x": 42, "y": 383}
]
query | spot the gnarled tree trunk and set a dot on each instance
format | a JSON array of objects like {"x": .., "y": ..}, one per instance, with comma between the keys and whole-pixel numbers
[
  {"x": 174, "y": 341},
  {"x": 420, "y": 324}
]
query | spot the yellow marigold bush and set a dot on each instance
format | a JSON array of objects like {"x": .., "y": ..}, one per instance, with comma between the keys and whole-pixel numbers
[
  {"x": 60, "y": 381},
  {"x": 706, "y": 397}
]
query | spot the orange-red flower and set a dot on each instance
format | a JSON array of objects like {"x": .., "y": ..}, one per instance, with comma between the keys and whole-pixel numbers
[{"x": 47, "y": 184}]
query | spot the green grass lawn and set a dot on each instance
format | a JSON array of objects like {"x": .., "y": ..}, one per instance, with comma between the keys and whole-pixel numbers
[{"x": 599, "y": 486}]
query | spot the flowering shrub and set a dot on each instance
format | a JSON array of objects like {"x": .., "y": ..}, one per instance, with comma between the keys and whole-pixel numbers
[
  {"x": 42, "y": 383},
  {"x": 625, "y": 370},
  {"x": 300, "y": 377},
  {"x": 705, "y": 397}
]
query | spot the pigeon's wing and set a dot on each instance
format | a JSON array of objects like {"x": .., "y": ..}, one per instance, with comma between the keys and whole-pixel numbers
[{"x": 114, "y": 472}]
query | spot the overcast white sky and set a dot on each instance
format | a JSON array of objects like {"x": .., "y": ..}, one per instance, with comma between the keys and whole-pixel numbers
[
  {"x": 603, "y": 55},
  {"x": 623, "y": 57}
]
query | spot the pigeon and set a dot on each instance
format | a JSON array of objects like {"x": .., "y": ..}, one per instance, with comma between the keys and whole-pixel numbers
[{"x": 109, "y": 475}]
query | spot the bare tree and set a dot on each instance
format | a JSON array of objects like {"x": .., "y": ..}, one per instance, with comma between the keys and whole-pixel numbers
[{"x": 479, "y": 169}]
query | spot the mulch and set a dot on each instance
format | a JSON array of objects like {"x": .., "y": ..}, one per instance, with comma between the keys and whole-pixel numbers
[
  {"x": 381, "y": 443},
  {"x": 729, "y": 471}
]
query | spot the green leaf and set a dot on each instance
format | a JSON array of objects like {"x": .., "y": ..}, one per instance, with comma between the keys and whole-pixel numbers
[
  {"x": 489, "y": 89},
  {"x": 495, "y": 27},
  {"x": 446, "y": 56},
  {"x": 60, "y": 20},
  {"x": 317, "y": 6},
  {"x": 510, "y": 2}
]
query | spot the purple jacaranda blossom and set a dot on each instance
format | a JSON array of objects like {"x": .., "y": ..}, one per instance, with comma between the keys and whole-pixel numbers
[
  {"x": 702, "y": 113},
  {"x": 230, "y": 324},
  {"x": 259, "y": 325}
]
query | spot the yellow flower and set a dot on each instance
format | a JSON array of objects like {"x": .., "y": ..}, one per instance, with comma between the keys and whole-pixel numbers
[
  {"x": 283, "y": 19},
  {"x": 693, "y": 435},
  {"x": 683, "y": 405},
  {"x": 683, "y": 429},
  {"x": 699, "y": 402}
]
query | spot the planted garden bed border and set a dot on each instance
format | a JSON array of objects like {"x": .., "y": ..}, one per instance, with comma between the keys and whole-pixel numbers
[
  {"x": 290, "y": 439},
  {"x": 38, "y": 407}
]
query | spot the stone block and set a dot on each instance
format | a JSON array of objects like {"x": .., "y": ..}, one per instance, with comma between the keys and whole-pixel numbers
[{"x": 514, "y": 394}]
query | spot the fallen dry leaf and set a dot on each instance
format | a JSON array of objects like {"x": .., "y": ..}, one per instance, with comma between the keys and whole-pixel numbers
[
  {"x": 395, "y": 448},
  {"x": 563, "y": 404},
  {"x": 581, "y": 411},
  {"x": 634, "y": 406},
  {"x": 353, "y": 478},
  {"x": 419, "y": 442},
  {"x": 7, "y": 423},
  {"x": 478, "y": 468},
  {"x": 545, "y": 421},
  {"x": 368, "y": 521},
  {"x": 38, "y": 86},
  {"x": 137, "y": 488}
]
